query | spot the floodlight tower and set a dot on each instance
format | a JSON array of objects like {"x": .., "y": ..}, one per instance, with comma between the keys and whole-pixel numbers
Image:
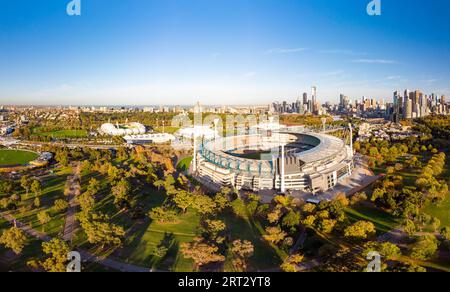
[
  {"x": 194, "y": 165},
  {"x": 324, "y": 123},
  {"x": 351, "y": 138},
  {"x": 216, "y": 122},
  {"x": 283, "y": 183}
]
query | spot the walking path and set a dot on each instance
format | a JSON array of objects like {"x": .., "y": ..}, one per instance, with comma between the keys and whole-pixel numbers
[
  {"x": 25, "y": 228},
  {"x": 70, "y": 225},
  {"x": 85, "y": 255}
]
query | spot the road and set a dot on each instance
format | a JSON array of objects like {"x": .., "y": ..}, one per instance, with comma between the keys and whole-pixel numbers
[{"x": 70, "y": 145}]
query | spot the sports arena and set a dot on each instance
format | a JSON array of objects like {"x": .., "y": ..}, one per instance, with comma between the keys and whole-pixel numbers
[
  {"x": 122, "y": 129},
  {"x": 282, "y": 160}
]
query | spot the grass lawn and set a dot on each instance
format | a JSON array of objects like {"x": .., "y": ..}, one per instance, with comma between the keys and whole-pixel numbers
[
  {"x": 62, "y": 133},
  {"x": 141, "y": 244},
  {"x": 53, "y": 189},
  {"x": 441, "y": 211},
  {"x": 18, "y": 263},
  {"x": 16, "y": 157},
  {"x": 184, "y": 164},
  {"x": 266, "y": 256},
  {"x": 383, "y": 221},
  {"x": 143, "y": 236},
  {"x": 168, "y": 130}
]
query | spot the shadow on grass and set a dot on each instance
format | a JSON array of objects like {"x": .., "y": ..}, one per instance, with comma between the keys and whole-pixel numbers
[{"x": 264, "y": 257}]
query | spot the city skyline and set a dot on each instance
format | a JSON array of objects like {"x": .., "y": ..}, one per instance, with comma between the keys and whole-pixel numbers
[{"x": 219, "y": 52}]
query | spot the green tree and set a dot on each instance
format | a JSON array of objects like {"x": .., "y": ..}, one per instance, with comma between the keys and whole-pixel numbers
[
  {"x": 93, "y": 187},
  {"x": 445, "y": 233},
  {"x": 290, "y": 265},
  {"x": 410, "y": 227},
  {"x": 388, "y": 250},
  {"x": 61, "y": 205},
  {"x": 86, "y": 201},
  {"x": 326, "y": 225},
  {"x": 14, "y": 239},
  {"x": 36, "y": 187},
  {"x": 62, "y": 157},
  {"x": 162, "y": 215},
  {"x": 57, "y": 252},
  {"x": 183, "y": 200},
  {"x": 201, "y": 253},
  {"x": 243, "y": 250},
  {"x": 274, "y": 235},
  {"x": 425, "y": 247},
  {"x": 360, "y": 230},
  {"x": 435, "y": 223},
  {"x": 121, "y": 192},
  {"x": 203, "y": 204},
  {"x": 25, "y": 183},
  {"x": 37, "y": 202},
  {"x": 43, "y": 217},
  {"x": 214, "y": 228},
  {"x": 291, "y": 220},
  {"x": 100, "y": 230}
]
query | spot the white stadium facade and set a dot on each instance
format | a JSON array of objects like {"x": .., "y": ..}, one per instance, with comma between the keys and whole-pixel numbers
[
  {"x": 282, "y": 160},
  {"x": 122, "y": 129}
]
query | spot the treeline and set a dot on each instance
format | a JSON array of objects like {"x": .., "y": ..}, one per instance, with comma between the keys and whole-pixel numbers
[
  {"x": 383, "y": 151},
  {"x": 428, "y": 183},
  {"x": 438, "y": 126}
]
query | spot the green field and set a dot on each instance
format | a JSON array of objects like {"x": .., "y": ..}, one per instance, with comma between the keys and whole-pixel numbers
[
  {"x": 441, "y": 211},
  {"x": 61, "y": 133},
  {"x": 16, "y": 157},
  {"x": 141, "y": 244},
  {"x": 383, "y": 221},
  {"x": 184, "y": 164},
  {"x": 52, "y": 189}
]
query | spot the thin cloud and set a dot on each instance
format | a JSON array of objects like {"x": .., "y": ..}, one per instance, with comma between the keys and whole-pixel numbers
[
  {"x": 375, "y": 61},
  {"x": 286, "y": 50},
  {"x": 342, "y": 52},
  {"x": 248, "y": 74},
  {"x": 429, "y": 81},
  {"x": 333, "y": 73}
]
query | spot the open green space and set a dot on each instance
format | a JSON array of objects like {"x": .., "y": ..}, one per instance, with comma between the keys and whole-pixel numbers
[
  {"x": 184, "y": 164},
  {"x": 61, "y": 133},
  {"x": 168, "y": 130},
  {"x": 266, "y": 256},
  {"x": 52, "y": 189},
  {"x": 9, "y": 261},
  {"x": 440, "y": 211},
  {"x": 153, "y": 235},
  {"x": 16, "y": 157},
  {"x": 383, "y": 221},
  {"x": 145, "y": 237}
]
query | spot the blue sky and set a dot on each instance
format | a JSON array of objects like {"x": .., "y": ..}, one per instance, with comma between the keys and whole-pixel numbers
[{"x": 141, "y": 52}]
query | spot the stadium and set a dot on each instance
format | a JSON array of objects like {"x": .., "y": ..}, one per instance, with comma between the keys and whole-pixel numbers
[
  {"x": 122, "y": 129},
  {"x": 283, "y": 160}
]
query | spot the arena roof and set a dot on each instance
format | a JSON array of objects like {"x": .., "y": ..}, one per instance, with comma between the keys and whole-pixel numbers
[
  {"x": 328, "y": 146},
  {"x": 325, "y": 146}
]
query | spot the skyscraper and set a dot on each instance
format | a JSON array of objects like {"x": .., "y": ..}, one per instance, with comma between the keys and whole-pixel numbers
[
  {"x": 408, "y": 109},
  {"x": 314, "y": 99}
]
